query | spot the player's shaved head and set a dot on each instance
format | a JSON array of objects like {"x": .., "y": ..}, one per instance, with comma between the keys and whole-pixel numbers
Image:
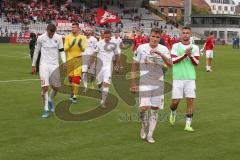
[
  {"x": 51, "y": 29},
  {"x": 75, "y": 24},
  {"x": 186, "y": 34},
  {"x": 186, "y": 28}
]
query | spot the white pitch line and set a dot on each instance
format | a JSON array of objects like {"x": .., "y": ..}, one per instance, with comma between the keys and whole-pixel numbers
[
  {"x": 22, "y": 57},
  {"x": 19, "y": 80}
]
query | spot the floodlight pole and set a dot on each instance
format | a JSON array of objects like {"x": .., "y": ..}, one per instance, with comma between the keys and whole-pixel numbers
[{"x": 187, "y": 12}]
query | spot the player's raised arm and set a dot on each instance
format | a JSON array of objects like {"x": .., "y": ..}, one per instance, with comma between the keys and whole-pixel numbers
[
  {"x": 195, "y": 56},
  {"x": 174, "y": 54},
  {"x": 165, "y": 56}
]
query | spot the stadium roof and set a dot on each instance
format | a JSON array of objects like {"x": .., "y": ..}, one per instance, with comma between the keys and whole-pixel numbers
[{"x": 170, "y": 3}]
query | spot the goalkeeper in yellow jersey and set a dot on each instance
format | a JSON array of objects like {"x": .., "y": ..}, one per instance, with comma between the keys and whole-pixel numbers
[{"x": 74, "y": 46}]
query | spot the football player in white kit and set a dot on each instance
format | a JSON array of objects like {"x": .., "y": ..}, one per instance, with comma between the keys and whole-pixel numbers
[
  {"x": 116, "y": 39},
  {"x": 89, "y": 50},
  {"x": 151, "y": 58},
  {"x": 104, "y": 51},
  {"x": 50, "y": 44}
]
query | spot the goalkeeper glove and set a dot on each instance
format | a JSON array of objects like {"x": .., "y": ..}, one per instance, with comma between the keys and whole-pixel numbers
[
  {"x": 80, "y": 43},
  {"x": 73, "y": 42}
]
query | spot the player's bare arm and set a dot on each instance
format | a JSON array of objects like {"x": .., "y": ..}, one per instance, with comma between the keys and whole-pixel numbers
[
  {"x": 166, "y": 60},
  {"x": 194, "y": 59},
  {"x": 176, "y": 59},
  {"x": 35, "y": 55},
  {"x": 133, "y": 75}
]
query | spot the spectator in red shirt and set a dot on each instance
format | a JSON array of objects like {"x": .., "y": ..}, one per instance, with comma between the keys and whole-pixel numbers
[
  {"x": 138, "y": 40},
  {"x": 208, "y": 46},
  {"x": 146, "y": 39},
  {"x": 167, "y": 40},
  {"x": 174, "y": 40}
]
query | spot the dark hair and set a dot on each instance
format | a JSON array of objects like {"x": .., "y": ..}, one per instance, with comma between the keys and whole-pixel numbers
[
  {"x": 75, "y": 24},
  {"x": 107, "y": 32},
  {"x": 185, "y": 27},
  {"x": 156, "y": 30},
  {"x": 51, "y": 27},
  {"x": 211, "y": 33},
  {"x": 33, "y": 35}
]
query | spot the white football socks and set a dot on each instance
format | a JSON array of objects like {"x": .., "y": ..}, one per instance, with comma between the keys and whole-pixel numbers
[
  {"x": 152, "y": 122},
  {"x": 45, "y": 100},
  {"x": 53, "y": 93},
  {"x": 144, "y": 119},
  {"x": 104, "y": 93},
  {"x": 188, "y": 121},
  {"x": 85, "y": 83}
]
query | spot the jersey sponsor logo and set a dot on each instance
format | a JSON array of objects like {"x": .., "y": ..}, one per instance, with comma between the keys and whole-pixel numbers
[{"x": 110, "y": 46}]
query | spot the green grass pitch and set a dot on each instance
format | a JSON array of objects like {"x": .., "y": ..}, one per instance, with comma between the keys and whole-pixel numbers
[{"x": 24, "y": 135}]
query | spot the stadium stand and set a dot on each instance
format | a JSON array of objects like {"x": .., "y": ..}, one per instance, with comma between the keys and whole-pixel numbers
[{"x": 22, "y": 16}]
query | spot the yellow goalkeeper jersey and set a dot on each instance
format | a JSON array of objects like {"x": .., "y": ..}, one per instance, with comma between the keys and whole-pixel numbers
[{"x": 75, "y": 51}]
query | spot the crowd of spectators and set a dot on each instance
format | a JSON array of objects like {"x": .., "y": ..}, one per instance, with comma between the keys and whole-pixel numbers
[
  {"x": 45, "y": 11},
  {"x": 27, "y": 12}
]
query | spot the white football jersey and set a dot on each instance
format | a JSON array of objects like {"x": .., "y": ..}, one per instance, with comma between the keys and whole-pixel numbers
[
  {"x": 103, "y": 54},
  {"x": 150, "y": 64},
  {"x": 49, "y": 48},
  {"x": 118, "y": 42},
  {"x": 91, "y": 43}
]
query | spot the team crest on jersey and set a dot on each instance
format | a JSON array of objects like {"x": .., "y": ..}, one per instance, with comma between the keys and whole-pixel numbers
[
  {"x": 110, "y": 46},
  {"x": 55, "y": 41}
]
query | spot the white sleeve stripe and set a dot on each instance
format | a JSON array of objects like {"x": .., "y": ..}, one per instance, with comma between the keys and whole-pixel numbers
[{"x": 195, "y": 60}]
